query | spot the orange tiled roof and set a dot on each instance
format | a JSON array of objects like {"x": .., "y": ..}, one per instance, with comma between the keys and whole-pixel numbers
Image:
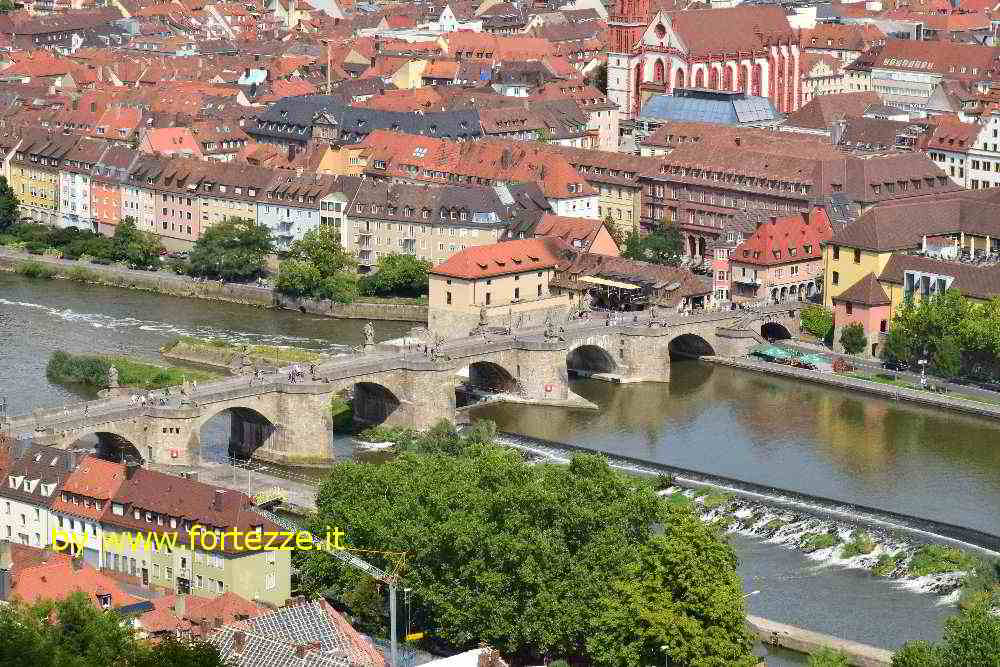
[{"x": 498, "y": 259}]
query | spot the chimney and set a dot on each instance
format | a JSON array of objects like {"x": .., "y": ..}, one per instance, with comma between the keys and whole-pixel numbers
[
  {"x": 6, "y": 565},
  {"x": 239, "y": 641},
  {"x": 737, "y": 140},
  {"x": 837, "y": 129},
  {"x": 217, "y": 500}
]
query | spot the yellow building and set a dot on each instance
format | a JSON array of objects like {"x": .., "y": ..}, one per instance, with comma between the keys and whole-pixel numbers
[
  {"x": 34, "y": 175},
  {"x": 947, "y": 227}
]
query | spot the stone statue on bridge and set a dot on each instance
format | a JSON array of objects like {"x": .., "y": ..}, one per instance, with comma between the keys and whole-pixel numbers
[
  {"x": 551, "y": 332},
  {"x": 369, "y": 335},
  {"x": 112, "y": 377}
]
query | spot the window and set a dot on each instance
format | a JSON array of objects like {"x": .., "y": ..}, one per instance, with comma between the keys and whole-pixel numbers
[
  {"x": 487, "y": 298},
  {"x": 517, "y": 292},
  {"x": 836, "y": 278},
  {"x": 849, "y": 307},
  {"x": 857, "y": 256},
  {"x": 449, "y": 298},
  {"x": 836, "y": 252},
  {"x": 270, "y": 581},
  {"x": 539, "y": 290}
]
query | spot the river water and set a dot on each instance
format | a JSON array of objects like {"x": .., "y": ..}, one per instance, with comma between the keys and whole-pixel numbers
[{"x": 717, "y": 420}]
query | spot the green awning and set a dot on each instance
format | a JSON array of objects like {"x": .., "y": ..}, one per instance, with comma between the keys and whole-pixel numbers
[
  {"x": 814, "y": 359},
  {"x": 772, "y": 351}
]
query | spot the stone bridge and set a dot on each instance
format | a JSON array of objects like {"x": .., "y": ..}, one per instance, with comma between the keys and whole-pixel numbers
[{"x": 285, "y": 422}]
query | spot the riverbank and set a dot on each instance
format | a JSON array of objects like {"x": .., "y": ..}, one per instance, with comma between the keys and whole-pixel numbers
[
  {"x": 170, "y": 284},
  {"x": 896, "y": 392},
  {"x": 131, "y": 374}
]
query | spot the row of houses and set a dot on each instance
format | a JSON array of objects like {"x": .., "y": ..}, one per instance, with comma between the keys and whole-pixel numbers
[{"x": 99, "y": 510}]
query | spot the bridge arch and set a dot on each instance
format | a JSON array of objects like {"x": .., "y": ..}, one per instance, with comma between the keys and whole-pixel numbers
[
  {"x": 589, "y": 359},
  {"x": 249, "y": 429},
  {"x": 112, "y": 446},
  {"x": 688, "y": 345},
  {"x": 373, "y": 403},
  {"x": 774, "y": 331},
  {"x": 491, "y": 376}
]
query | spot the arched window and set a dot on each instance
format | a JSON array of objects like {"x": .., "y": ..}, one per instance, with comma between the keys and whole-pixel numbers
[{"x": 658, "y": 71}]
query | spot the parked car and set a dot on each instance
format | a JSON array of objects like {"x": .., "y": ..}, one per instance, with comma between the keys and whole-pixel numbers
[{"x": 894, "y": 365}]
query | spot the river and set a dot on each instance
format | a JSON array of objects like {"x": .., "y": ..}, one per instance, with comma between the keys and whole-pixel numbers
[{"x": 717, "y": 420}]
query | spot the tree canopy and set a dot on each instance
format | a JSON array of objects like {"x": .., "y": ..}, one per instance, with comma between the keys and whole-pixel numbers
[
  {"x": 234, "y": 249},
  {"x": 397, "y": 275},
  {"x": 75, "y": 633},
  {"x": 136, "y": 248},
  {"x": 955, "y": 334},
  {"x": 539, "y": 561},
  {"x": 318, "y": 266},
  {"x": 971, "y": 639},
  {"x": 8, "y": 200},
  {"x": 853, "y": 338},
  {"x": 662, "y": 245}
]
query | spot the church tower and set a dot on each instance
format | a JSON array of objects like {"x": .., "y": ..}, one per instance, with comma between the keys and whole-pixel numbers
[{"x": 626, "y": 27}]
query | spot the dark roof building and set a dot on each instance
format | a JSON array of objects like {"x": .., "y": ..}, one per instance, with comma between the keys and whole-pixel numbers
[{"x": 293, "y": 121}]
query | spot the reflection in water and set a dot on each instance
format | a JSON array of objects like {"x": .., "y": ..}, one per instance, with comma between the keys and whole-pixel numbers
[{"x": 788, "y": 435}]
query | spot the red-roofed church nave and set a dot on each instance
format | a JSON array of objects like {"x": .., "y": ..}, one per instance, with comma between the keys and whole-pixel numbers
[{"x": 749, "y": 48}]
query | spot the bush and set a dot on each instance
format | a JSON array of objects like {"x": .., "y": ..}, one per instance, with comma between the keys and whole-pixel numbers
[
  {"x": 397, "y": 275},
  {"x": 82, "y": 275},
  {"x": 827, "y": 657},
  {"x": 853, "y": 338},
  {"x": 33, "y": 269},
  {"x": 886, "y": 565},
  {"x": 340, "y": 288},
  {"x": 715, "y": 499},
  {"x": 861, "y": 543},
  {"x": 935, "y": 559},
  {"x": 816, "y": 541},
  {"x": 817, "y": 320},
  {"x": 93, "y": 370},
  {"x": 36, "y": 247}
]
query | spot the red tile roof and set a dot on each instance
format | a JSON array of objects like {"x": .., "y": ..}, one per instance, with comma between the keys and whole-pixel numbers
[
  {"x": 93, "y": 478},
  {"x": 59, "y": 577},
  {"x": 499, "y": 259},
  {"x": 775, "y": 242},
  {"x": 577, "y": 232}
]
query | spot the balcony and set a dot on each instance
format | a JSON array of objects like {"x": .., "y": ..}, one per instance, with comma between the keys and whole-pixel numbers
[{"x": 747, "y": 280}]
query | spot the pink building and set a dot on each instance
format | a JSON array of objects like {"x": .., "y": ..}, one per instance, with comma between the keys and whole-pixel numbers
[
  {"x": 782, "y": 260},
  {"x": 867, "y": 304}
]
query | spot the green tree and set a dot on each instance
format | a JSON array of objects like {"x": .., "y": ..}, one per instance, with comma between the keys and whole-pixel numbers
[
  {"x": 7, "y": 6},
  {"x": 817, "y": 320},
  {"x": 8, "y": 200},
  {"x": 235, "y": 249},
  {"x": 826, "y": 657},
  {"x": 536, "y": 560},
  {"x": 321, "y": 247},
  {"x": 663, "y": 245},
  {"x": 397, "y": 275},
  {"x": 615, "y": 231},
  {"x": 340, "y": 288},
  {"x": 74, "y": 633},
  {"x": 971, "y": 639},
  {"x": 853, "y": 338},
  {"x": 947, "y": 358},
  {"x": 297, "y": 277},
  {"x": 136, "y": 248}
]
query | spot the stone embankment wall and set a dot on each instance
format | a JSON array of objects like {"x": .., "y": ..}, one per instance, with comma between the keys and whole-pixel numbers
[
  {"x": 359, "y": 310},
  {"x": 950, "y": 402},
  {"x": 807, "y": 641},
  {"x": 165, "y": 282}
]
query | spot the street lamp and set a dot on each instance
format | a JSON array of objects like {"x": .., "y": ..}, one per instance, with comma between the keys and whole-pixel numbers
[
  {"x": 666, "y": 656},
  {"x": 923, "y": 369}
]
